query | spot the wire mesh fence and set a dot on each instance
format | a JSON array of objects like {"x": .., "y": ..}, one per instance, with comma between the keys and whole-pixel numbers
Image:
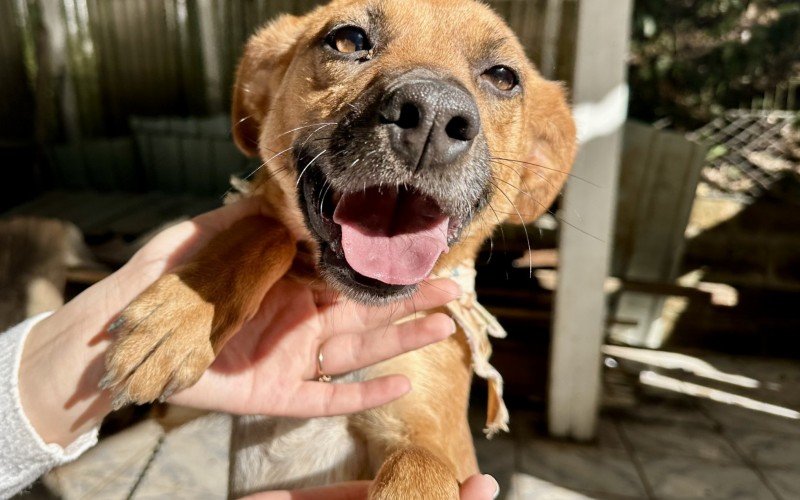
[{"x": 750, "y": 151}]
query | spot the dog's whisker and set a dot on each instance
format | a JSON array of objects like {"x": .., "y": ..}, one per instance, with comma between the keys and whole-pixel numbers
[
  {"x": 502, "y": 233},
  {"x": 499, "y": 224},
  {"x": 524, "y": 228},
  {"x": 311, "y": 135},
  {"x": 325, "y": 188},
  {"x": 538, "y": 174},
  {"x": 307, "y": 167},
  {"x": 429, "y": 283},
  {"x": 276, "y": 155},
  {"x": 528, "y": 164},
  {"x": 491, "y": 250},
  {"x": 272, "y": 175},
  {"x": 547, "y": 209},
  {"x": 242, "y": 120},
  {"x": 525, "y": 185},
  {"x": 323, "y": 125}
]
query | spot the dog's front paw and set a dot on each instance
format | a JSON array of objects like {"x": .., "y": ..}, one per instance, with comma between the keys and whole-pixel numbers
[
  {"x": 414, "y": 472},
  {"x": 162, "y": 343}
]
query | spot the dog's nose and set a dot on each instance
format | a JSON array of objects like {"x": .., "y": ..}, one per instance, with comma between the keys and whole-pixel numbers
[{"x": 431, "y": 123}]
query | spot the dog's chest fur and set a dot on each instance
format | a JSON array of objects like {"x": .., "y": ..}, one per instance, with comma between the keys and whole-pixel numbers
[{"x": 282, "y": 453}]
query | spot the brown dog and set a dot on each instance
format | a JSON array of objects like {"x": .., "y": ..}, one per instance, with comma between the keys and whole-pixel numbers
[{"x": 395, "y": 136}]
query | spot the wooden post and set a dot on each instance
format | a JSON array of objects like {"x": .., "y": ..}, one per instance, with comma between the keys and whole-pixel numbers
[{"x": 600, "y": 96}]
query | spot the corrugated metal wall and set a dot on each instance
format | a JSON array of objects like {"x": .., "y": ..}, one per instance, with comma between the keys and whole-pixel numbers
[
  {"x": 17, "y": 99},
  {"x": 77, "y": 71},
  {"x": 124, "y": 57}
]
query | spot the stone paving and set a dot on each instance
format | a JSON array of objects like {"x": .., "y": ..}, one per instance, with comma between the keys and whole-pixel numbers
[{"x": 656, "y": 445}]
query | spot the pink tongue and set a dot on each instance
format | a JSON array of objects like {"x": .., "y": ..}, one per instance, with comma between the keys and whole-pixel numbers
[{"x": 390, "y": 236}]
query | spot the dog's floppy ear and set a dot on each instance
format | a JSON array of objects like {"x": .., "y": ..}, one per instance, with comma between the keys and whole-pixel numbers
[
  {"x": 550, "y": 151},
  {"x": 261, "y": 69}
]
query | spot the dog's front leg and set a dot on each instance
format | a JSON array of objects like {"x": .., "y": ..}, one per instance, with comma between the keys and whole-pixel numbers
[
  {"x": 422, "y": 442},
  {"x": 166, "y": 338}
]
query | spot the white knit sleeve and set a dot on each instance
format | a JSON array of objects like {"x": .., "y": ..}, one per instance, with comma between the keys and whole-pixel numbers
[{"x": 24, "y": 456}]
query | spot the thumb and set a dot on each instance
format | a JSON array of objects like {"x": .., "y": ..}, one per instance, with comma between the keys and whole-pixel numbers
[{"x": 480, "y": 487}]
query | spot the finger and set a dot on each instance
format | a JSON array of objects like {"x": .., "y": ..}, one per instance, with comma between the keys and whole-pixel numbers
[
  {"x": 319, "y": 399},
  {"x": 347, "y": 316},
  {"x": 354, "y": 490},
  {"x": 352, "y": 351},
  {"x": 480, "y": 487}
]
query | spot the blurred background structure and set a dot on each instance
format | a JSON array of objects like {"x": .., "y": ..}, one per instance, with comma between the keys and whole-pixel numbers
[{"x": 114, "y": 121}]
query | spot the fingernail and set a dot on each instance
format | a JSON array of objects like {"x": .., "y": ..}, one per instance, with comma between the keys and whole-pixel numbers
[
  {"x": 496, "y": 485},
  {"x": 453, "y": 326},
  {"x": 105, "y": 382},
  {"x": 168, "y": 391},
  {"x": 116, "y": 324}
]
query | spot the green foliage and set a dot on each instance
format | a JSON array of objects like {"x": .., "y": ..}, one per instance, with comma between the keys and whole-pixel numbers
[{"x": 691, "y": 59}]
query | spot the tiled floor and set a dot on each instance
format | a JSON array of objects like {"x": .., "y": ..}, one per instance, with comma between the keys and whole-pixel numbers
[
  {"x": 657, "y": 445},
  {"x": 667, "y": 446}
]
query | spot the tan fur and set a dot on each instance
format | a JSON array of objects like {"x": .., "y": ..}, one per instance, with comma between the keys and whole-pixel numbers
[
  {"x": 540, "y": 132},
  {"x": 419, "y": 446},
  {"x": 414, "y": 472},
  {"x": 282, "y": 85},
  {"x": 169, "y": 335}
]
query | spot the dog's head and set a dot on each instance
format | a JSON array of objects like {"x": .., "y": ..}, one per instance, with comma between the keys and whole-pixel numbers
[{"x": 398, "y": 134}]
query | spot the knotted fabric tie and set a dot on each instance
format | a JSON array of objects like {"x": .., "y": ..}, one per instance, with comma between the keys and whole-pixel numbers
[{"x": 478, "y": 324}]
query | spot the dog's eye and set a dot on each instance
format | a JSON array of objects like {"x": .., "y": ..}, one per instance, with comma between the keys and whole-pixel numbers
[
  {"x": 348, "y": 40},
  {"x": 501, "y": 77}
]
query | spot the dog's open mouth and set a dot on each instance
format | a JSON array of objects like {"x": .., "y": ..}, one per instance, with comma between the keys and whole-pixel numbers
[
  {"x": 391, "y": 234},
  {"x": 380, "y": 239}
]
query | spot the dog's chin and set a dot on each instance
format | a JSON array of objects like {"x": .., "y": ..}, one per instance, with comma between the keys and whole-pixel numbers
[
  {"x": 335, "y": 269},
  {"x": 319, "y": 202}
]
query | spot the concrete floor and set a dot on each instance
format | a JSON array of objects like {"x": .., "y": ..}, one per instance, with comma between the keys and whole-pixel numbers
[{"x": 652, "y": 444}]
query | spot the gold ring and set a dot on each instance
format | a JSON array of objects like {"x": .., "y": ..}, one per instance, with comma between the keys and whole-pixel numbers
[{"x": 322, "y": 377}]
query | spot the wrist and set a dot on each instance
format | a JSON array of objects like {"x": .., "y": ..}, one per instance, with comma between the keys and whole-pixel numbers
[{"x": 58, "y": 376}]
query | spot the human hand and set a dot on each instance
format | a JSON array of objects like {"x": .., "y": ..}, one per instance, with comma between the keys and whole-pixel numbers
[
  {"x": 271, "y": 366},
  {"x": 72, "y": 343}
]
